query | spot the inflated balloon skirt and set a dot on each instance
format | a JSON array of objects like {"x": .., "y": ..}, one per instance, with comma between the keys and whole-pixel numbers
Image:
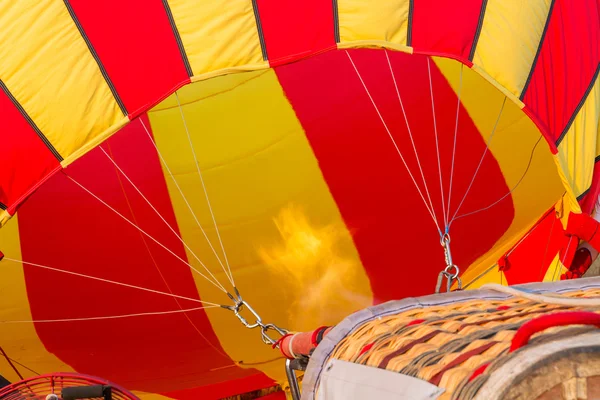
[{"x": 476, "y": 344}]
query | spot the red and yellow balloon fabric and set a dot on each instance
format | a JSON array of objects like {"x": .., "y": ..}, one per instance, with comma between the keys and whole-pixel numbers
[{"x": 291, "y": 108}]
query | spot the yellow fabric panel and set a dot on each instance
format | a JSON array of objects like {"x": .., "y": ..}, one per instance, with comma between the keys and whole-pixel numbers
[
  {"x": 218, "y": 34},
  {"x": 19, "y": 340},
  {"x": 4, "y": 217},
  {"x": 555, "y": 270},
  {"x": 369, "y": 21},
  {"x": 279, "y": 223},
  {"x": 510, "y": 36},
  {"x": 578, "y": 148},
  {"x": 511, "y": 145},
  {"x": 48, "y": 68},
  {"x": 492, "y": 275}
]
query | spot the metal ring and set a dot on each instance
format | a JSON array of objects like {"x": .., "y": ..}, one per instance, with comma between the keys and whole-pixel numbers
[
  {"x": 453, "y": 275},
  {"x": 445, "y": 239}
]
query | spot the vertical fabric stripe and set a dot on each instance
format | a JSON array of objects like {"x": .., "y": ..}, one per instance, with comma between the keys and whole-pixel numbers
[
  {"x": 93, "y": 240},
  {"x": 218, "y": 34},
  {"x": 509, "y": 39},
  {"x": 136, "y": 46},
  {"x": 372, "y": 188},
  {"x": 527, "y": 165},
  {"x": 566, "y": 64},
  {"x": 95, "y": 55},
  {"x": 577, "y": 150},
  {"x": 295, "y": 29},
  {"x": 20, "y": 341},
  {"x": 259, "y": 28},
  {"x": 380, "y": 21},
  {"x": 533, "y": 258},
  {"x": 539, "y": 49},
  {"x": 48, "y": 68},
  {"x": 445, "y": 28},
  {"x": 186, "y": 61},
  {"x": 280, "y": 225},
  {"x": 25, "y": 158},
  {"x": 31, "y": 123},
  {"x": 478, "y": 30}
]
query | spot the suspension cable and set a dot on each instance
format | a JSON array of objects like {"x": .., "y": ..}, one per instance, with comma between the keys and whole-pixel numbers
[
  {"x": 117, "y": 283},
  {"x": 437, "y": 146},
  {"x": 118, "y": 316},
  {"x": 187, "y": 203},
  {"x": 487, "y": 147},
  {"x": 212, "y": 214},
  {"x": 431, "y": 211},
  {"x": 152, "y": 206},
  {"x": 460, "y": 84},
  {"x": 215, "y": 282},
  {"x": 511, "y": 191},
  {"x": 412, "y": 141}
]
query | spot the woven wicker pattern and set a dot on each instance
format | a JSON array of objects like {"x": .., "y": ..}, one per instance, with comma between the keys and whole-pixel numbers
[{"x": 446, "y": 345}]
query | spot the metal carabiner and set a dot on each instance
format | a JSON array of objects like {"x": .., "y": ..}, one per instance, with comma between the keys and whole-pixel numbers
[{"x": 238, "y": 307}]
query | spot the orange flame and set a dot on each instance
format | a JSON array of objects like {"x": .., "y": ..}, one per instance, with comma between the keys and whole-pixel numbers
[{"x": 317, "y": 264}]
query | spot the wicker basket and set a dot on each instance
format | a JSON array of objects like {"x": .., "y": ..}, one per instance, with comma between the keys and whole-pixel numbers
[{"x": 483, "y": 348}]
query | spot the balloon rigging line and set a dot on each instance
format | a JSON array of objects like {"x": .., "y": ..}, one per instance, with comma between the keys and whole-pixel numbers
[
  {"x": 120, "y": 316},
  {"x": 431, "y": 211},
  {"x": 230, "y": 276},
  {"x": 487, "y": 147},
  {"x": 437, "y": 146},
  {"x": 95, "y": 278},
  {"x": 511, "y": 190},
  {"x": 154, "y": 209},
  {"x": 412, "y": 142},
  {"x": 164, "y": 163},
  {"x": 215, "y": 283},
  {"x": 454, "y": 145}
]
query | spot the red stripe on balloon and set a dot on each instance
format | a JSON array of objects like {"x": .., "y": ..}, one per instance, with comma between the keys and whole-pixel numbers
[
  {"x": 445, "y": 27},
  {"x": 25, "y": 161},
  {"x": 529, "y": 260},
  {"x": 62, "y": 226},
  {"x": 296, "y": 29},
  {"x": 136, "y": 46},
  {"x": 393, "y": 232},
  {"x": 568, "y": 59}
]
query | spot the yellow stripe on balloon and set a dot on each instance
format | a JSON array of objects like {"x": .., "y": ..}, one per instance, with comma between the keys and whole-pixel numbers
[
  {"x": 286, "y": 242},
  {"x": 579, "y": 147},
  {"x": 20, "y": 340},
  {"x": 373, "y": 23},
  {"x": 511, "y": 145},
  {"x": 49, "y": 69},
  {"x": 218, "y": 34},
  {"x": 555, "y": 270},
  {"x": 509, "y": 39}
]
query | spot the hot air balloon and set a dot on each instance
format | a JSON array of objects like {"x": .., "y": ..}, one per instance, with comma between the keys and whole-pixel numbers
[{"x": 176, "y": 172}]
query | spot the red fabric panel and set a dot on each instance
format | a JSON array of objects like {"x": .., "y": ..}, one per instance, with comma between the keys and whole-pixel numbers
[
  {"x": 566, "y": 64},
  {"x": 445, "y": 27},
  {"x": 25, "y": 159},
  {"x": 294, "y": 29},
  {"x": 137, "y": 47},
  {"x": 530, "y": 259},
  {"x": 393, "y": 232},
  {"x": 150, "y": 353}
]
